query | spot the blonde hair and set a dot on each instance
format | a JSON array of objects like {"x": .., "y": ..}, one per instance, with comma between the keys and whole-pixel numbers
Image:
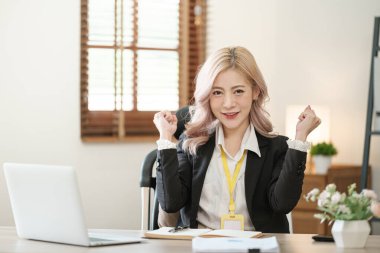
[{"x": 203, "y": 122}]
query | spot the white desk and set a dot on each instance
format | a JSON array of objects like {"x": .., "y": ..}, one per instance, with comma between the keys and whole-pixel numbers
[{"x": 289, "y": 243}]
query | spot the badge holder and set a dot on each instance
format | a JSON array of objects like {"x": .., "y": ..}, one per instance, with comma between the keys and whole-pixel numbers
[{"x": 232, "y": 221}]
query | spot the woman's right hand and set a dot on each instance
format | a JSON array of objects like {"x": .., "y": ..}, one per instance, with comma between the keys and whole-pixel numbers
[{"x": 166, "y": 124}]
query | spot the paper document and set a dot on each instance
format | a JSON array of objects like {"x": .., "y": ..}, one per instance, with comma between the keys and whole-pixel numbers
[
  {"x": 232, "y": 233},
  {"x": 188, "y": 234},
  {"x": 269, "y": 244}
]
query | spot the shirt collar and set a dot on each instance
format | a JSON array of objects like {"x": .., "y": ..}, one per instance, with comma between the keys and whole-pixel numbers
[{"x": 249, "y": 139}]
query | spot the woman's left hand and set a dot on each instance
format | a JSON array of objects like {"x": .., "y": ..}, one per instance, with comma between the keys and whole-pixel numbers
[{"x": 308, "y": 121}]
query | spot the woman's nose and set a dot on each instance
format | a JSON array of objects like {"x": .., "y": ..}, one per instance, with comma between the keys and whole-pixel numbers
[{"x": 228, "y": 101}]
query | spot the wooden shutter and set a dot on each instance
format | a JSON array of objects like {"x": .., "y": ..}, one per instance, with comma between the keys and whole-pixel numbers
[
  {"x": 128, "y": 63},
  {"x": 197, "y": 41}
]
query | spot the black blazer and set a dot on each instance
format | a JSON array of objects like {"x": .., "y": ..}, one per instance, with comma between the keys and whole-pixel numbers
[{"x": 273, "y": 182}]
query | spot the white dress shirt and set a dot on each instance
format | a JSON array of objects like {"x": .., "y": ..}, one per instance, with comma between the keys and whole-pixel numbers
[{"x": 215, "y": 198}]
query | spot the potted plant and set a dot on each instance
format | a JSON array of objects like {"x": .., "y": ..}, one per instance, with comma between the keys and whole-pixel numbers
[
  {"x": 322, "y": 153},
  {"x": 350, "y": 213}
]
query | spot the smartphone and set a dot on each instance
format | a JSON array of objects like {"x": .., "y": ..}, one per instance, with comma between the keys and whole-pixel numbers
[{"x": 323, "y": 238}]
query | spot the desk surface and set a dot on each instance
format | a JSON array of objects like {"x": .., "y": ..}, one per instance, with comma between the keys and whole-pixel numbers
[{"x": 295, "y": 243}]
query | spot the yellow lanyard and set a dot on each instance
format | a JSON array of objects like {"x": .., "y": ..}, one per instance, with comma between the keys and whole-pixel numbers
[{"x": 231, "y": 181}]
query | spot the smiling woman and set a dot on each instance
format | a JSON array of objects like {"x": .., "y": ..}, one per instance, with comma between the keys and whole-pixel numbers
[
  {"x": 229, "y": 169},
  {"x": 137, "y": 57}
]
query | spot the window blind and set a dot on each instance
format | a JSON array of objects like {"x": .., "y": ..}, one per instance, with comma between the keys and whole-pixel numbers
[{"x": 137, "y": 57}]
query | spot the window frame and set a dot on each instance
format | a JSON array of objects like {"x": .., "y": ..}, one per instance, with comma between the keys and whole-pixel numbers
[{"x": 119, "y": 125}]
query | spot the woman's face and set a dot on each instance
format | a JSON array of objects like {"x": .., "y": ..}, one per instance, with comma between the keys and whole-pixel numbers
[{"x": 231, "y": 98}]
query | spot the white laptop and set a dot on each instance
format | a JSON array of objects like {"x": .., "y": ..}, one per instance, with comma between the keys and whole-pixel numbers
[{"x": 46, "y": 206}]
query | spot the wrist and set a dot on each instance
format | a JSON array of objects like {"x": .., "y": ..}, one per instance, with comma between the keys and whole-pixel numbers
[
  {"x": 166, "y": 136},
  {"x": 301, "y": 136}
]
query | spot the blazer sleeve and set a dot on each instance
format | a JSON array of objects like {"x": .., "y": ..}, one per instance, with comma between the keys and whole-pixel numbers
[
  {"x": 285, "y": 186},
  {"x": 174, "y": 177}
]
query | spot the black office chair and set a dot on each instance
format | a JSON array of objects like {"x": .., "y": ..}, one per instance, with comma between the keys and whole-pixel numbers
[{"x": 149, "y": 203}]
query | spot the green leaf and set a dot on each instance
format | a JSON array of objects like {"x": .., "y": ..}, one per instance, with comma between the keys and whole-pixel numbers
[{"x": 323, "y": 148}]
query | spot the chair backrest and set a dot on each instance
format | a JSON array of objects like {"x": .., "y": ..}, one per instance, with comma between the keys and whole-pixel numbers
[
  {"x": 149, "y": 206},
  {"x": 290, "y": 220},
  {"x": 149, "y": 203}
]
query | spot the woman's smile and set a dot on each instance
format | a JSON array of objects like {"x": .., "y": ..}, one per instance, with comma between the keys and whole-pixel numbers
[{"x": 230, "y": 115}]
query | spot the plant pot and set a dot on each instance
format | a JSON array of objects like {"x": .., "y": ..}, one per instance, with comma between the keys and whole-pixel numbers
[
  {"x": 321, "y": 163},
  {"x": 350, "y": 234}
]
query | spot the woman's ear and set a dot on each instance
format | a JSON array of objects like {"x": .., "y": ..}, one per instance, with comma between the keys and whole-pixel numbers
[{"x": 255, "y": 93}]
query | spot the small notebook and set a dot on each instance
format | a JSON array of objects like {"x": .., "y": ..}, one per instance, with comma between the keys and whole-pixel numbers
[{"x": 188, "y": 234}]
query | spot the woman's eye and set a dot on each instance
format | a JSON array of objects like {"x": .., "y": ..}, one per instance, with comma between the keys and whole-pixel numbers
[
  {"x": 239, "y": 91},
  {"x": 216, "y": 93}
]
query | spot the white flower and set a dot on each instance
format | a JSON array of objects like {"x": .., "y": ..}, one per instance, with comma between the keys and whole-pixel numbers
[
  {"x": 331, "y": 188},
  {"x": 344, "y": 209},
  {"x": 369, "y": 194},
  {"x": 312, "y": 195},
  {"x": 323, "y": 198},
  {"x": 314, "y": 192},
  {"x": 341, "y": 206},
  {"x": 336, "y": 198}
]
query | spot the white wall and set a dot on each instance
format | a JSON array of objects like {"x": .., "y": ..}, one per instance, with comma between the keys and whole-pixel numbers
[
  {"x": 310, "y": 52},
  {"x": 39, "y": 112}
]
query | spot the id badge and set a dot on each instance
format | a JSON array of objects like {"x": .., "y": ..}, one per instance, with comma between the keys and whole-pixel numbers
[{"x": 232, "y": 221}]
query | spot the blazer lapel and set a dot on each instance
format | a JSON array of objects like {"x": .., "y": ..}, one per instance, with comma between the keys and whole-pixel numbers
[{"x": 254, "y": 166}]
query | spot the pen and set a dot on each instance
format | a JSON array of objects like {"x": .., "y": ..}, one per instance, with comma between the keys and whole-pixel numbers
[{"x": 178, "y": 228}]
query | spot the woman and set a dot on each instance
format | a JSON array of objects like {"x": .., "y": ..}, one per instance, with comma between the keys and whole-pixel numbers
[{"x": 229, "y": 170}]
